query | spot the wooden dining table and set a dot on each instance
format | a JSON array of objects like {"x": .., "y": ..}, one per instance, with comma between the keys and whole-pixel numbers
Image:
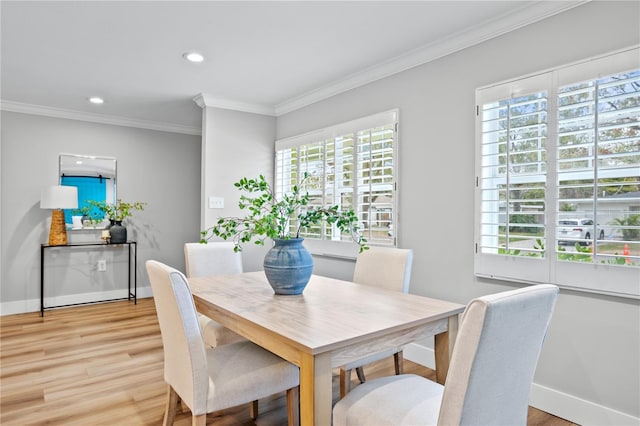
[{"x": 330, "y": 324}]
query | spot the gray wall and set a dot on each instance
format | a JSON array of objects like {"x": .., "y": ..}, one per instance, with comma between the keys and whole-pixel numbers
[
  {"x": 592, "y": 351},
  {"x": 234, "y": 145},
  {"x": 157, "y": 167}
]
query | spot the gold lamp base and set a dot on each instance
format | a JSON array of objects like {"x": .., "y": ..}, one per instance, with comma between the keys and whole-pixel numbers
[{"x": 58, "y": 230}]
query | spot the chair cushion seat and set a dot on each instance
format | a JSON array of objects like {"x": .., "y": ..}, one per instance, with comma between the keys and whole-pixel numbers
[
  {"x": 417, "y": 402},
  {"x": 233, "y": 383},
  {"x": 215, "y": 334}
]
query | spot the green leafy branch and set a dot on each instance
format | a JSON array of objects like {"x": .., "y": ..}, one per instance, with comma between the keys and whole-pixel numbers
[
  {"x": 582, "y": 254},
  {"x": 269, "y": 218},
  {"x": 118, "y": 211}
]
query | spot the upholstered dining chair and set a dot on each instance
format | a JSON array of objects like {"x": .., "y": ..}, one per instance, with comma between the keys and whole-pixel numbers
[
  {"x": 490, "y": 375},
  {"x": 214, "y": 258},
  {"x": 211, "y": 379},
  {"x": 383, "y": 267}
]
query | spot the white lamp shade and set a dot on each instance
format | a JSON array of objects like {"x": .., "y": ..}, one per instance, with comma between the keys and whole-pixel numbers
[{"x": 59, "y": 197}]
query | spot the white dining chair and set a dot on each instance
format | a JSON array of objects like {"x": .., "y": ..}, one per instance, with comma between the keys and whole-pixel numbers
[
  {"x": 382, "y": 267},
  {"x": 489, "y": 379},
  {"x": 211, "y": 379},
  {"x": 213, "y": 258}
]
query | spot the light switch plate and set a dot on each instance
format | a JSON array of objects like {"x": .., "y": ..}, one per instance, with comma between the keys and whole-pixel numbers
[{"x": 216, "y": 202}]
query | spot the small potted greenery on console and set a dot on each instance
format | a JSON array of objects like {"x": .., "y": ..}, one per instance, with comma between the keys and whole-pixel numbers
[
  {"x": 116, "y": 213},
  {"x": 88, "y": 218},
  {"x": 288, "y": 265}
]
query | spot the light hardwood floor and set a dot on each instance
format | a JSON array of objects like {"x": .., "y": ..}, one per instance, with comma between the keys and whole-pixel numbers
[{"x": 102, "y": 365}]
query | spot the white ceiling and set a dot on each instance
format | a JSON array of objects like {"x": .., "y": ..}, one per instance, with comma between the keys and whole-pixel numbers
[{"x": 268, "y": 57}]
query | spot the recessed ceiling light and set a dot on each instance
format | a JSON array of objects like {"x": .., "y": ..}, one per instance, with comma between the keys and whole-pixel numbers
[
  {"x": 193, "y": 57},
  {"x": 96, "y": 100}
]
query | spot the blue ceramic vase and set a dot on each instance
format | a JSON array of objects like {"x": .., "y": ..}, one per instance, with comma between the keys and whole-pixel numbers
[{"x": 288, "y": 266}]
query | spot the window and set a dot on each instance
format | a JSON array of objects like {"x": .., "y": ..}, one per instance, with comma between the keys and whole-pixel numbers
[
  {"x": 558, "y": 177},
  {"x": 351, "y": 165},
  {"x": 89, "y": 188}
]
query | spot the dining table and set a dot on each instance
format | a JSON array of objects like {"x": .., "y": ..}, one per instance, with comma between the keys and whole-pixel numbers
[{"x": 330, "y": 324}]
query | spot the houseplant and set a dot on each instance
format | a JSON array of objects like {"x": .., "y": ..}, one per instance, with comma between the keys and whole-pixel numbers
[
  {"x": 88, "y": 217},
  {"x": 288, "y": 265},
  {"x": 116, "y": 213}
]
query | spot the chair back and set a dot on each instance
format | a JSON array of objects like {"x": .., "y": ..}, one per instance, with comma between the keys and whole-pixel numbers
[
  {"x": 384, "y": 267},
  {"x": 215, "y": 258},
  {"x": 495, "y": 357},
  {"x": 185, "y": 362}
]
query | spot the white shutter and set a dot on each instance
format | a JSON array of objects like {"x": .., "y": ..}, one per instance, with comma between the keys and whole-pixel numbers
[
  {"x": 599, "y": 161},
  {"x": 552, "y": 149},
  {"x": 598, "y": 179},
  {"x": 376, "y": 182},
  {"x": 352, "y": 165},
  {"x": 511, "y": 180}
]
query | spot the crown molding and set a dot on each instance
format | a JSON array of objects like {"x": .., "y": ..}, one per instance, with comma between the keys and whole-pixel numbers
[
  {"x": 205, "y": 100},
  {"x": 97, "y": 118},
  {"x": 498, "y": 26}
]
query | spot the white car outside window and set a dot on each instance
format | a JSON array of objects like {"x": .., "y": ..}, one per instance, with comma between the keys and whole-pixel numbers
[{"x": 581, "y": 231}]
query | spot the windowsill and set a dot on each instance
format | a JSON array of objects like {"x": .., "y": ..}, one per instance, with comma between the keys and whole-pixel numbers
[
  {"x": 95, "y": 228},
  {"x": 342, "y": 250}
]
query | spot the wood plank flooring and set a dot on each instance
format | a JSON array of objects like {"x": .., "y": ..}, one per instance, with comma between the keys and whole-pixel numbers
[{"x": 103, "y": 365}]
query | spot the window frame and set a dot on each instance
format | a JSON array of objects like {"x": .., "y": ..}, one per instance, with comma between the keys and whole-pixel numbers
[
  {"x": 346, "y": 249},
  {"x": 594, "y": 277}
]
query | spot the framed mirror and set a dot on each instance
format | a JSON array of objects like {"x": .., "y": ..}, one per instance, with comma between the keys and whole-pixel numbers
[{"x": 95, "y": 178}]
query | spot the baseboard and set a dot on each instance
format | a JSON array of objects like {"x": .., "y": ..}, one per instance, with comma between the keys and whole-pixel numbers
[
  {"x": 559, "y": 404},
  {"x": 578, "y": 410},
  {"x": 33, "y": 305},
  {"x": 420, "y": 354}
]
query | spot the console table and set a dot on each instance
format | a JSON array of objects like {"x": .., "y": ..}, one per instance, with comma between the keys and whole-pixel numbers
[{"x": 132, "y": 249}]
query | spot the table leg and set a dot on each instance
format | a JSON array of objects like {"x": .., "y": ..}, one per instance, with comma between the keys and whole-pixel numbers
[
  {"x": 315, "y": 390},
  {"x": 41, "y": 281},
  {"x": 444, "y": 348}
]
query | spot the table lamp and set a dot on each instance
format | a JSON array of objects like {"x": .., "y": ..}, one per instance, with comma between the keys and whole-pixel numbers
[{"x": 57, "y": 198}]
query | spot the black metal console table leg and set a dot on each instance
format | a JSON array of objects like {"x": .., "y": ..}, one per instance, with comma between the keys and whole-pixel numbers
[
  {"x": 42, "y": 281},
  {"x": 132, "y": 245}
]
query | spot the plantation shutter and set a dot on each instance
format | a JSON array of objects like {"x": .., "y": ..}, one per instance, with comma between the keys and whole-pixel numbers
[
  {"x": 556, "y": 148},
  {"x": 598, "y": 173},
  {"x": 512, "y": 121},
  {"x": 599, "y": 157},
  {"x": 351, "y": 165}
]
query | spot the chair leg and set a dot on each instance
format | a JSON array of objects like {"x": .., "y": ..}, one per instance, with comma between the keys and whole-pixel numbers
[
  {"x": 254, "y": 409},
  {"x": 345, "y": 382},
  {"x": 293, "y": 406},
  {"x": 398, "y": 361},
  {"x": 360, "y": 373},
  {"x": 170, "y": 407},
  {"x": 200, "y": 420}
]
